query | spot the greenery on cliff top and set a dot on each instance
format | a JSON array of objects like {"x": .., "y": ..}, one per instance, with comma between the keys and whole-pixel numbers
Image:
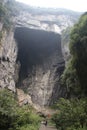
[
  {"x": 5, "y": 17},
  {"x": 13, "y": 117},
  {"x": 7, "y": 11},
  {"x": 72, "y": 114}
]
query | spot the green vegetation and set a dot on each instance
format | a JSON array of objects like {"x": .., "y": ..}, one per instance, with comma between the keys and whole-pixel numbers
[
  {"x": 13, "y": 117},
  {"x": 75, "y": 74},
  {"x": 72, "y": 114},
  {"x": 78, "y": 49},
  {"x": 65, "y": 39},
  {"x": 70, "y": 80},
  {"x": 0, "y": 34},
  {"x": 7, "y": 11},
  {"x": 5, "y": 17},
  {"x": 2, "y": 11},
  {"x": 66, "y": 36}
]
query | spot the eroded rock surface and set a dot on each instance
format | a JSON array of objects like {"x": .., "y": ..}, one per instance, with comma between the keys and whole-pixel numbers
[
  {"x": 40, "y": 56},
  {"x": 8, "y": 55},
  {"x": 55, "y": 20},
  {"x": 34, "y": 62}
]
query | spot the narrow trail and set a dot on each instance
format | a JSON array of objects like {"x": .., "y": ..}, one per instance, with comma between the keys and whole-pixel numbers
[
  {"x": 47, "y": 111},
  {"x": 43, "y": 127}
]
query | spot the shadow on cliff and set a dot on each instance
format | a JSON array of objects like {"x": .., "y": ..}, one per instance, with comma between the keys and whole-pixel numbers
[
  {"x": 34, "y": 46},
  {"x": 40, "y": 51}
]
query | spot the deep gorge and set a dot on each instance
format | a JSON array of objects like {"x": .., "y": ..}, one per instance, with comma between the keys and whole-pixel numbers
[
  {"x": 41, "y": 64},
  {"x": 31, "y": 56},
  {"x": 43, "y": 68}
]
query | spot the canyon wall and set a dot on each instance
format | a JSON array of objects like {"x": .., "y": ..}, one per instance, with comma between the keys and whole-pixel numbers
[
  {"x": 8, "y": 55},
  {"x": 31, "y": 53},
  {"x": 41, "y": 60}
]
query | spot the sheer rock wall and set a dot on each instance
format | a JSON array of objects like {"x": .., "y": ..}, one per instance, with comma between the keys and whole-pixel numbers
[
  {"x": 40, "y": 56},
  {"x": 8, "y": 55},
  {"x": 34, "y": 62}
]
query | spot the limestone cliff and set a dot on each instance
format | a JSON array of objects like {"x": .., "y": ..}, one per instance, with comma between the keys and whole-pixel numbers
[
  {"x": 30, "y": 51},
  {"x": 55, "y": 20},
  {"x": 8, "y": 54},
  {"x": 40, "y": 56}
]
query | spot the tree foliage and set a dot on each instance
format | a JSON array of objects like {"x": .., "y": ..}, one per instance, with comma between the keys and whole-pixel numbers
[
  {"x": 7, "y": 11},
  {"x": 13, "y": 117},
  {"x": 8, "y": 109},
  {"x": 75, "y": 74},
  {"x": 78, "y": 49},
  {"x": 72, "y": 114}
]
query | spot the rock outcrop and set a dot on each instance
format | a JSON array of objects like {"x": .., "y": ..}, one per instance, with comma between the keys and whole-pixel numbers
[
  {"x": 8, "y": 55},
  {"x": 39, "y": 53},
  {"x": 55, "y": 20},
  {"x": 34, "y": 62}
]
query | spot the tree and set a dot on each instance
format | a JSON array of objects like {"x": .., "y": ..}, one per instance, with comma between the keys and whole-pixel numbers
[
  {"x": 13, "y": 117},
  {"x": 78, "y": 49},
  {"x": 72, "y": 114},
  {"x": 8, "y": 109},
  {"x": 75, "y": 74}
]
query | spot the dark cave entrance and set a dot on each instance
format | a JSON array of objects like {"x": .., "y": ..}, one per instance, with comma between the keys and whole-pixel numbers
[{"x": 34, "y": 46}]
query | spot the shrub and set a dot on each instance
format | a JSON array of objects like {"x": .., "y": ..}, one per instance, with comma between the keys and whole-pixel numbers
[
  {"x": 2, "y": 11},
  {"x": 72, "y": 114},
  {"x": 5, "y": 16},
  {"x": 74, "y": 76},
  {"x": 13, "y": 117},
  {"x": 8, "y": 110},
  {"x": 27, "y": 118}
]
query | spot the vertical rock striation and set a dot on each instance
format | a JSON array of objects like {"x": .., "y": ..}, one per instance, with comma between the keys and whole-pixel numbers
[
  {"x": 34, "y": 62},
  {"x": 8, "y": 54},
  {"x": 39, "y": 53}
]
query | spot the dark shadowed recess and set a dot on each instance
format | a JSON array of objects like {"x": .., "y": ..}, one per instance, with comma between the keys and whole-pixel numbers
[{"x": 34, "y": 46}]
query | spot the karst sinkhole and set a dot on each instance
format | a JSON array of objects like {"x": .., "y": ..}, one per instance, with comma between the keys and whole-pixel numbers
[{"x": 34, "y": 47}]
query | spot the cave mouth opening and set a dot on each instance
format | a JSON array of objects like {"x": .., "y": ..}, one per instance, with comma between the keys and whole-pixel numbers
[{"x": 34, "y": 47}]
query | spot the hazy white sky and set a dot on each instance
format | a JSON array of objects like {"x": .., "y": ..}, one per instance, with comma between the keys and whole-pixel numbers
[{"x": 76, "y": 5}]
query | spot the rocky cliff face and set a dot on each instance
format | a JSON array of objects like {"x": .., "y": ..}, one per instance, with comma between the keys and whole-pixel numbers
[
  {"x": 8, "y": 54},
  {"x": 34, "y": 62},
  {"x": 40, "y": 56},
  {"x": 55, "y": 20}
]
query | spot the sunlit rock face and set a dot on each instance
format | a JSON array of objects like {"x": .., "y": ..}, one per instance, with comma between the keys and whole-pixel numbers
[
  {"x": 8, "y": 55},
  {"x": 35, "y": 62},
  {"x": 40, "y": 56},
  {"x": 55, "y": 20}
]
